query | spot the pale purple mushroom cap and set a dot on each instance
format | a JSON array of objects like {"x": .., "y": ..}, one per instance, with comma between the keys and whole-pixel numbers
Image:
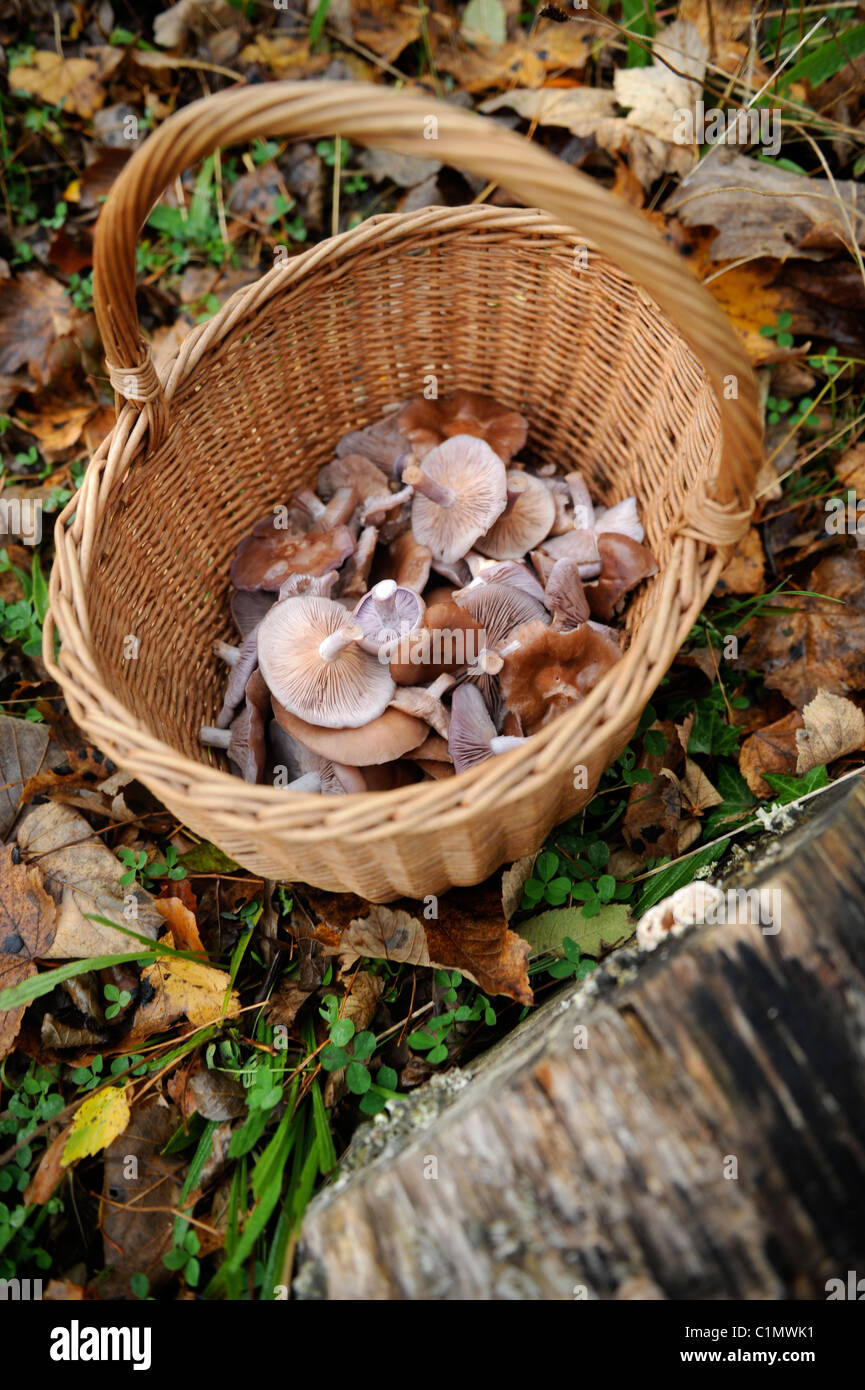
[
  {"x": 310, "y": 656},
  {"x": 389, "y": 611},
  {"x": 472, "y": 737},
  {"x": 459, "y": 492},
  {"x": 622, "y": 518}
]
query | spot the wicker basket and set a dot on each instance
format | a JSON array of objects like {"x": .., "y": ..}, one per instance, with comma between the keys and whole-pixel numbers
[{"x": 626, "y": 369}]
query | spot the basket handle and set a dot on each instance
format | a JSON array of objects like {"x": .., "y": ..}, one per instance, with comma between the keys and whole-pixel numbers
[{"x": 413, "y": 124}]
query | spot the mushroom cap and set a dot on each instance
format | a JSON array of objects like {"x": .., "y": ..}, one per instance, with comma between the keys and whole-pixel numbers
[
  {"x": 388, "y": 737},
  {"x": 387, "y": 613},
  {"x": 248, "y": 607},
  {"x": 348, "y": 688},
  {"x": 581, "y": 545},
  {"x": 447, "y": 641},
  {"x": 267, "y": 557},
  {"x": 624, "y": 564},
  {"x": 499, "y": 609},
  {"x": 425, "y": 702},
  {"x": 408, "y": 562},
  {"x": 622, "y": 518},
  {"x": 427, "y": 423},
  {"x": 351, "y": 470},
  {"x": 513, "y": 573},
  {"x": 565, "y": 595},
  {"x": 552, "y": 671},
  {"x": 354, "y": 574},
  {"x": 238, "y": 678},
  {"x": 523, "y": 526},
  {"x": 476, "y": 475},
  {"x": 473, "y": 738},
  {"x": 382, "y": 442}
]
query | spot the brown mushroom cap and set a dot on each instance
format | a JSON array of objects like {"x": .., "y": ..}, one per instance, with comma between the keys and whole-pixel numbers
[
  {"x": 425, "y": 702},
  {"x": 351, "y": 470},
  {"x": 388, "y": 737},
  {"x": 408, "y": 562},
  {"x": 460, "y": 491},
  {"x": 551, "y": 671},
  {"x": 565, "y": 596},
  {"x": 310, "y": 656},
  {"x": 447, "y": 640},
  {"x": 381, "y": 442},
  {"x": 526, "y": 521},
  {"x": 248, "y": 607},
  {"x": 267, "y": 557},
  {"x": 427, "y": 423},
  {"x": 625, "y": 563}
]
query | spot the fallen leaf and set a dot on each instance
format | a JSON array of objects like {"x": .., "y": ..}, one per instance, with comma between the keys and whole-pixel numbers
[
  {"x": 514, "y": 881},
  {"x": 36, "y": 318},
  {"x": 49, "y": 1172},
  {"x": 833, "y": 726},
  {"x": 822, "y": 644},
  {"x": 744, "y": 572},
  {"x": 578, "y": 109},
  {"x": 27, "y": 913},
  {"x": 212, "y": 1094},
  {"x": 359, "y": 1007},
  {"x": 141, "y": 1188},
  {"x": 697, "y": 789},
  {"x": 387, "y": 27},
  {"x": 82, "y": 876},
  {"x": 23, "y": 749},
  {"x": 181, "y": 988},
  {"x": 761, "y": 210},
  {"x": 468, "y": 934},
  {"x": 72, "y": 82},
  {"x": 405, "y": 170},
  {"x": 286, "y": 1002},
  {"x": 98, "y": 1120},
  {"x": 770, "y": 749},
  {"x": 13, "y": 970},
  {"x": 170, "y": 29},
  {"x": 285, "y": 56},
  {"x": 181, "y": 920},
  {"x": 485, "y": 20}
]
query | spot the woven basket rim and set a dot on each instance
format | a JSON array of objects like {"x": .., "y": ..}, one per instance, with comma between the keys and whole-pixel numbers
[{"x": 681, "y": 587}]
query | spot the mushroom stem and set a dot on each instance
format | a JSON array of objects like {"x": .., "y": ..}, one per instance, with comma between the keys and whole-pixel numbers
[
  {"x": 516, "y": 488},
  {"x": 227, "y": 653},
  {"x": 337, "y": 641},
  {"x": 385, "y": 603},
  {"x": 435, "y": 492},
  {"x": 215, "y": 738},
  {"x": 489, "y": 662},
  {"x": 308, "y": 782}
]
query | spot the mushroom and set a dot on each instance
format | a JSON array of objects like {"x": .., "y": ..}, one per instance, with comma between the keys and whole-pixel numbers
[
  {"x": 578, "y": 544},
  {"x": 425, "y": 702},
  {"x": 473, "y": 737},
  {"x": 267, "y": 557},
  {"x": 459, "y": 493},
  {"x": 310, "y": 656},
  {"x": 624, "y": 563},
  {"x": 427, "y": 423},
  {"x": 565, "y": 596},
  {"x": 581, "y": 502},
  {"x": 388, "y": 509},
  {"x": 434, "y": 749},
  {"x": 458, "y": 573},
  {"x": 351, "y": 470},
  {"x": 381, "y": 741},
  {"x": 386, "y": 777},
  {"x": 245, "y": 741},
  {"x": 388, "y": 613},
  {"x": 499, "y": 608},
  {"x": 529, "y": 513},
  {"x": 308, "y": 771},
  {"x": 382, "y": 442},
  {"x": 299, "y": 584},
  {"x": 512, "y": 573},
  {"x": 355, "y": 573},
  {"x": 550, "y": 671},
  {"x": 622, "y": 518},
  {"x": 241, "y": 661},
  {"x": 447, "y": 641},
  {"x": 248, "y": 607},
  {"x": 408, "y": 562}
]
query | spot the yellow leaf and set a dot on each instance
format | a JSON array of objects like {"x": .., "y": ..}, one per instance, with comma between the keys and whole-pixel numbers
[
  {"x": 100, "y": 1119},
  {"x": 182, "y": 987},
  {"x": 72, "y": 82},
  {"x": 72, "y": 193}
]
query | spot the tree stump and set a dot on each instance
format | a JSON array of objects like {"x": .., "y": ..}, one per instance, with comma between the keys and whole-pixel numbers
[{"x": 703, "y": 1137}]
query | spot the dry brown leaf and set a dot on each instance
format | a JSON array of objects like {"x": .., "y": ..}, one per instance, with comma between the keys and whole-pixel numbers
[
  {"x": 284, "y": 56},
  {"x": 36, "y": 318},
  {"x": 23, "y": 749},
  {"x": 761, "y": 210},
  {"x": 49, "y": 1171},
  {"x": 387, "y": 27},
  {"x": 578, "y": 109},
  {"x": 359, "y": 1007},
  {"x": 469, "y": 934},
  {"x": 770, "y": 749},
  {"x": 286, "y": 1002},
  {"x": 833, "y": 726},
  {"x": 13, "y": 971},
  {"x": 83, "y": 878},
  {"x": 141, "y": 1190},
  {"x": 27, "y": 912},
  {"x": 74, "y": 82},
  {"x": 822, "y": 644},
  {"x": 182, "y": 922},
  {"x": 744, "y": 572},
  {"x": 698, "y": 791}
]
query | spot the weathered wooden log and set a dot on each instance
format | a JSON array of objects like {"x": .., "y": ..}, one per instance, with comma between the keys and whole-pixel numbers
[{"x": 702, "y": 1137}]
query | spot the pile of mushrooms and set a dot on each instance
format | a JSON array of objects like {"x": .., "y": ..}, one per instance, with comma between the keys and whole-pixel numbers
[{"x": 431, "y": 604}]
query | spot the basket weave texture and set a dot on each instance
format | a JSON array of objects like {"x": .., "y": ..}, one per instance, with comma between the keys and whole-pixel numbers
[{"x": 623, "y": 370}]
